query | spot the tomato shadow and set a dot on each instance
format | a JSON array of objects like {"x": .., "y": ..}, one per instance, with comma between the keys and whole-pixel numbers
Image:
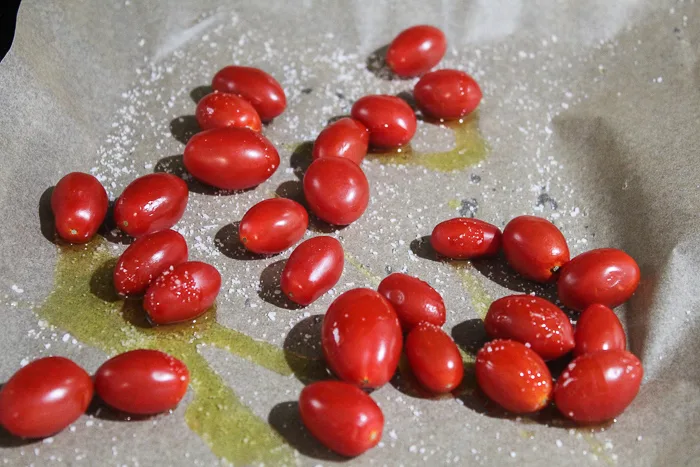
[
  {"x": 470, "y": 335},
  {"x": 405, "y": 381},
  {"x": 270, "y": 289},
  {"x": 497, "y": 270},
  {"x": 376, "y": 64},
  {"x": 99, "y": 409},
  {"x": 102, "y": 282},
  {"x": 301, "y": 159},
  {"x": 184, "y": 127},
  {"x": 8, "y": 440},
  {"x": 134, "y": 313},
  {"x": 285, "y": 420},
  {"x": 174, "y": 165},
  {"x": 422, "y": 248},
  {"x": 111, "y": 232},
  {"x": 196, "y": 94},
  {"x": 294, "y": 190},
  {"x": 303, "y": 351},
  {"x": 47, "y": 222},
  {"x": 229, "y": 244},
  {"x": 408, "y": 98},
  {"x": 332, "y": 120}
]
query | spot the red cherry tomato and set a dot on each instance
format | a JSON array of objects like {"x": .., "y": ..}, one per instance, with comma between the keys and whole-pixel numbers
[
  {"x": 413, "y": 300},
  {"x": 361, "y": 338},
  {"x": 142, "y": 382},
  {"x": 336, "y": 190},
  {"x": 341, "y": 416},
  {"x": 313, "y": 268},
  {"x": 513, "y": 376},
  {"x": 598, "y": 386},
  {"x": 447, "y": 94},
  {"x": 222, "y": 109},
  {"x": 416, "y": 50},
  {"x": 434, "y": 358},
  {"x": 79, "y": 203},
  {"x": 598, "y": 329},
  {"x": 391, "y": 121},
  {"x": 465, "y": 238},
  {"x": 606, "y": 276},
  {"x": 231, "y": 158},
  {"x": 254, "y": 85},
  {"x": 346, "y": 138},
  {"x": 146, "y": 259},
  {"x": 534, "y": 247},
  {"x": 533, "y": 321},
  {"x": 273, "y": 225},
  {"x": 151, "y": 203},
  {"x": 182, "y": 293},
  {"x": 44, "y": 397}
]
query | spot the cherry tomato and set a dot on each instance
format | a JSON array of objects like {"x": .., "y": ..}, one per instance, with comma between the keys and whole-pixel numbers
[
  {"x": 465, "y": 238},
  {"x": 416, "y": 50},
  {"x": 231, "y": 158},
  {"x": 598, "y": 386},
  {"x": 607, "y": 276},
  {"x": 533, "y": 321},
  {"x": 273, "y": 225},
  {"x": 346, "y": 138},
  {"x": 336, "y": 190},
  {"x": 146, "y": 259},
  {"x": 535, "y": 248},
  {"x": 447, "y": 94},
  {"x": 79, "y": 203},
  {"x": 361, "y": 338},
  {"x": 434, "y": 358},
  {"x": 413, "y": 300},
  {"x": 142, "y": 382},
  {"x": 391, "y": 121},
  {"x": 151, "y": 203},
  {"x": 598, "y": 329},
  {"x": 341, "y": 416},
  {"x": 513, "y": 376},
  {"x": 313, "y": 268},
  {"x": 44, "y": 397},
  {"x": 254, "y": 85},
  {"x": 222, "y": 109},
  {"x": 182, "y": 293}
]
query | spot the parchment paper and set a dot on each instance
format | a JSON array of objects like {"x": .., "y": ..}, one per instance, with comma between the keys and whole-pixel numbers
[{"x": 591, "y": 112}]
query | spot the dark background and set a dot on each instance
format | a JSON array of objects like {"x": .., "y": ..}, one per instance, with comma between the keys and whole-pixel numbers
[{"x": 8, "y": 17}]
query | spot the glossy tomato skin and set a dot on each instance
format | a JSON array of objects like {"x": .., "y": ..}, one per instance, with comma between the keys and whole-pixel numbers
[
  {"x": 254, "y": 85},
  {"x": 347, "y": 138},
  {"x": 607, "y": 276},
  {"x": 151, "y": 203},
  {"x": 390, "y": 120},
  {"x": 231, "y": 158},
  {"x": 44, "y": 397},
  {"x": 416, "y": 50},
  {"x": 414, "y": 300},
  {"x": 146, "y": 259},
  {"x": 222, "y": 109},
  {"x": 182, "y": 293},
  {"x": 534, "y": 247},
  {"x": 79, "y": 203},
  {"x": 434, "y": 358},
  {"x": 313, "y": 268},
  {"x": 599, "y": 386},
  {"x": 513, "y": 376},
  {"x": 273, "y": 225},
  {"x": 336, "y": 190},
  {"x": 598, "y": 329},
  {"x": 341, "y": 416},
  {"x": 447, "y": 94},
  {"x": 533, "y": 321},
  {"x": 465, "y": 238},
  {"x": 142, "y": 382},
  {"x": 361, "y": 338}
]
